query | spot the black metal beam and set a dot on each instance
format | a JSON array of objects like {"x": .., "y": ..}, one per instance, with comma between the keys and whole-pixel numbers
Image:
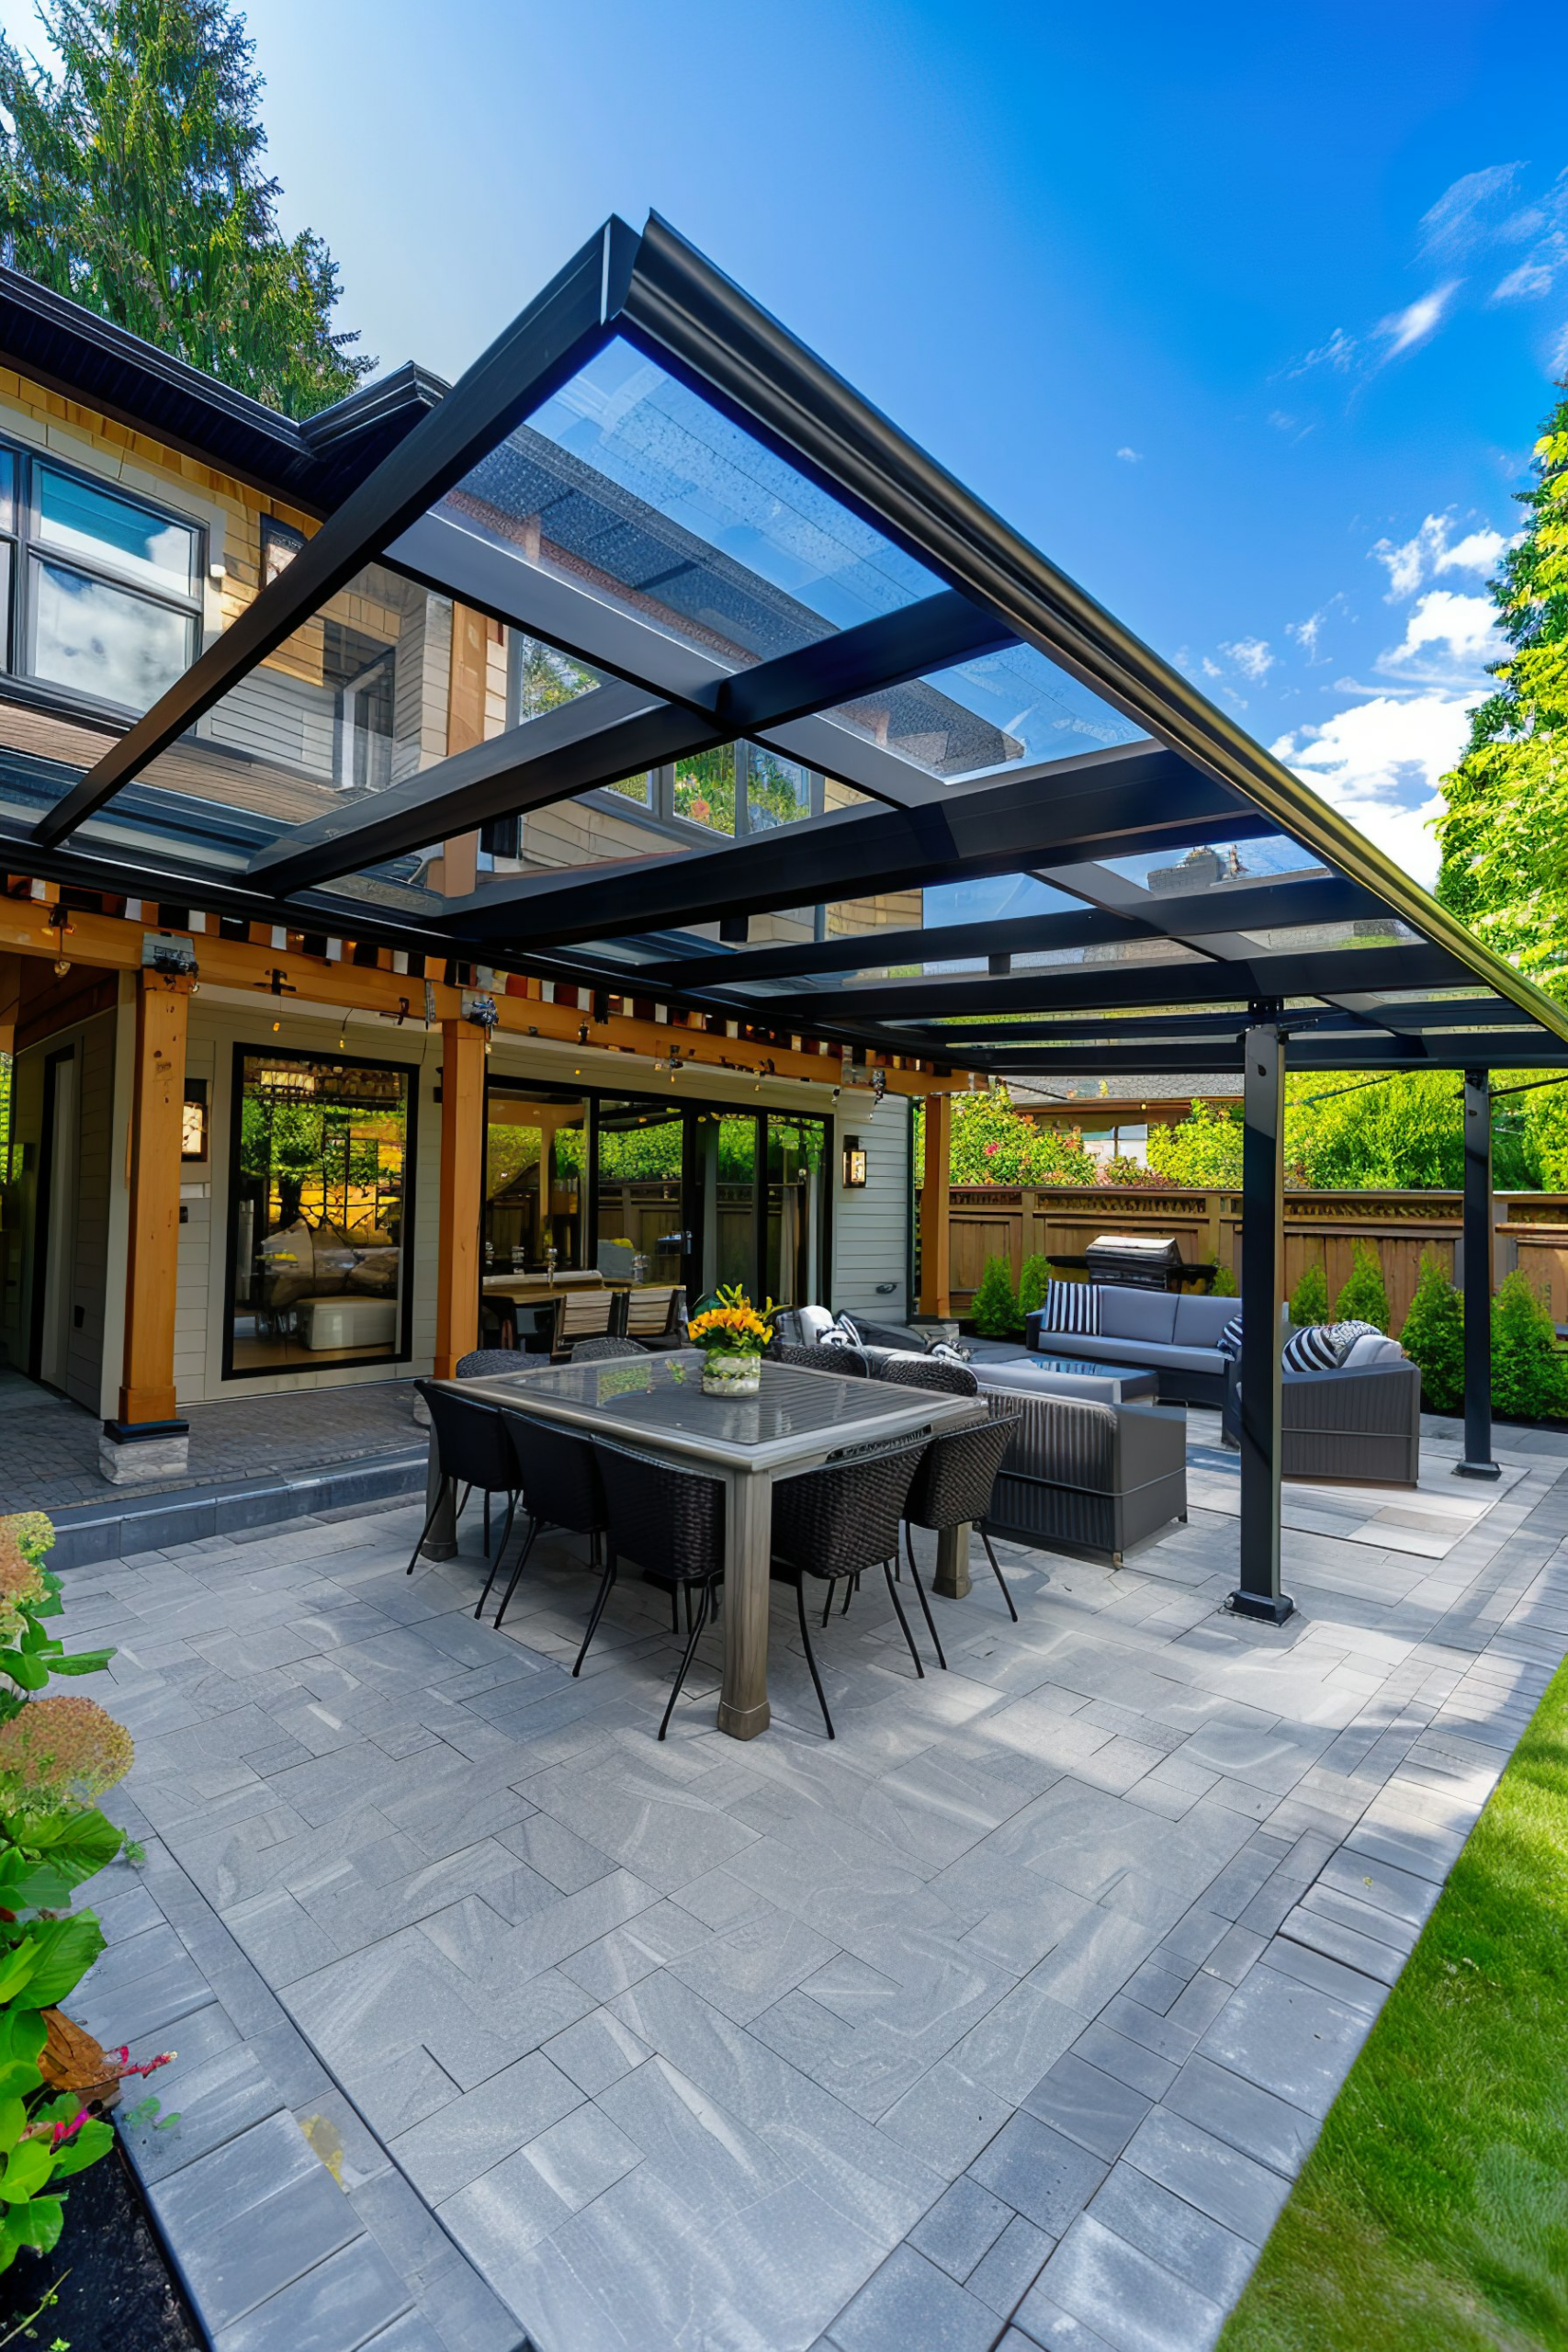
[
  {"x": 1483, "y": 1013},
  {"x": 995, "y": 825},
  {"x": 851, "y": 663},
  {"x": 1102, "y": 987},
  {"x": 1478, "y": 1247},
  {"x": 1324, "y": 900},
  {"x": 1258, "y": 1592},
  {"x": 611, "y": 732},
  {"x": 537, "y": 354},
  {"x": 1513, "y": 1050}
]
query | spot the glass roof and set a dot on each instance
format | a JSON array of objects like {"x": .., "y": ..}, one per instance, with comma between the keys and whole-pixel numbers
[
  {"x": 632, "y": 483},
  {"x": 1007, "y": 710}
]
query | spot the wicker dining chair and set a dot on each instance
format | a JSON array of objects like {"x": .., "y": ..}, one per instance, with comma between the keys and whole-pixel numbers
[
  {"x": 670, "y": 1523},
  {"x": 485, "y": 1363},
  {"x": 845, "y": 1361},
  {"x": 953, "y": 1484},
  {"x": 472, "y": 1449},
  {"x": 929, "y": 1372},
  {"x": 835, "y": 1524},
  {"x": 603, "y": 1351},
  {"x": 559, "y": 1480}
]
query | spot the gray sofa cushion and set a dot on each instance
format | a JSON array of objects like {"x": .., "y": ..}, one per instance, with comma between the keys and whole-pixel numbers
[
  {"x": 1095, "y": 1347},
  {"x": 1173, "y": 1358},
  {"x": 1135, "y": 1314},
  {"x": 1199, "y": 1321},
  {"x": 1372, "y": 1348},
  {"x": 1023, "y": 1376}
]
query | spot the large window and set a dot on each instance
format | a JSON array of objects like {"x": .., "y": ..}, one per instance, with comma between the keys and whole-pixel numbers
[
  {"x": 99, "y": 592},
  {"x": 320, "y": 1212},
  {"x": 535, "y": 1149},
  {"x": 796, "y": 1237}
]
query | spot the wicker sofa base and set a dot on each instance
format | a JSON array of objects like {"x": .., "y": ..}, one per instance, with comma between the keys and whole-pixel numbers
[{"x": 1106, "y": 1528}]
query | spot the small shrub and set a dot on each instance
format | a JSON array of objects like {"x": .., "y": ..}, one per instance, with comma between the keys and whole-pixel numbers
[
  {"x": 1530, "y": 1374},
  {"x": 1433, "y": 1336},
  {"x": 1225, "y": 1284},
  {"x": 994, "y": 1312},
  {"x": 1309, "y": 1300},
  {"x": 1364, "y": 1298},
  {"x": 1032, "y": 1284}
]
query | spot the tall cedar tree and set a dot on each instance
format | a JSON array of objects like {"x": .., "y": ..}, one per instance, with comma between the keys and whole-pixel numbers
[
  {"x": 1504, "y": 834},
  {"x": 133, "y": 183}
]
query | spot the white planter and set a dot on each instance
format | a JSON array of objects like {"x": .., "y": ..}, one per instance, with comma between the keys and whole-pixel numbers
[{"x": 731, "y": 1375}]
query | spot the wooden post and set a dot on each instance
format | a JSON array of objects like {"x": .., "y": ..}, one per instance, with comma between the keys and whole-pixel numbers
[
  {"x": 936, "y": 1255},
  {"x": 133, "y": 1446},
  {"x": 465, "y": 727},
  {"x": 462, "y": 1182}
]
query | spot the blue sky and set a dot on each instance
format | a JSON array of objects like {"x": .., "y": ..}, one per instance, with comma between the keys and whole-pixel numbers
[{"x": 1248, "y": 317}]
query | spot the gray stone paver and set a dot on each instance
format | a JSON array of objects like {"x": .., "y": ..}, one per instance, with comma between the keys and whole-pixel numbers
[{"x": 1008, "y": 2016}]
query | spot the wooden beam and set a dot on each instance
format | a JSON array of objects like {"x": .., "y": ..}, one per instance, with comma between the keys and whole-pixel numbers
[
  {"x": 157, "y": 1107},
  {"x": 462, "y": 1185},
  {"x": 936, "y": 1251}
]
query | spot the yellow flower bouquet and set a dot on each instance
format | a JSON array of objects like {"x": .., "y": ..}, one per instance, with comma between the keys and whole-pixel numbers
[{"x": 732, "y": 1336}]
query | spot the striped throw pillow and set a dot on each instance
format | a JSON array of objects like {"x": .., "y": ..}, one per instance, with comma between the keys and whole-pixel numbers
[
  {"x": 1072, "y": 1307},
  {"x": 1230, "y": 1339},
  {"x": 1312, "y": 1350}
]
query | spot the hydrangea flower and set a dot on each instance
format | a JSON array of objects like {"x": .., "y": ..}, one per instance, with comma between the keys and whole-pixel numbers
[
  {"x": 56, "y": 1748},
  {"x": 22, "y": 1581}
]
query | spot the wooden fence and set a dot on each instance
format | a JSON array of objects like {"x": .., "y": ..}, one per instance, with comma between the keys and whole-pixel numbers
[{"x": 1321, "y": 1229}]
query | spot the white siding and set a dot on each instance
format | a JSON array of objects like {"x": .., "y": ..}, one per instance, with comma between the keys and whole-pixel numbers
[{"x": 871, "y": 1225}]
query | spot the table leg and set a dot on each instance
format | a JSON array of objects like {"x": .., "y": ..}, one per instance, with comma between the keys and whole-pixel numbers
[
  {"x": 951, "y": 1578},
  {"x": 441, "y": 1544},
  {"x": 748, "y": 1515}
]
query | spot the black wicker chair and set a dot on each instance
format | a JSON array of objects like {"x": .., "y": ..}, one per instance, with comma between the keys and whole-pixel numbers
[
  {"x": 671, "y": 1523},
  {"x": 835, "y": 1524},
  {"x": 953, "y": 1484},
  {"x": 929, "y": 1372},
  {"x": 602, "y": 1350},
  {"x": 484, "y": 1364},
  {"x": 847, "y": 1361},
  {"x": 560, "y": 1488},
  {"x": 472, "y": 1449}
]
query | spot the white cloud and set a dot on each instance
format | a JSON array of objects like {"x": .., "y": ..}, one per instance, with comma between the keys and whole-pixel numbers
[
  {"x": 1252, "y": 658},
  {"x": 1406, "y": 329},
  {"x": 1211, "y": 669},
  {"x": 1472, "y": 211},
  {"x": 1308, "y": 634},
  {"x": 1337, "y": 353},
  {"x": 1526, "y": 284},
  {"x": 1466, "y": 627},
  {"x": 1427, "y": 552},
  {"x": 1131, "y": 457},
  {"x": 1379, "y": 764}
]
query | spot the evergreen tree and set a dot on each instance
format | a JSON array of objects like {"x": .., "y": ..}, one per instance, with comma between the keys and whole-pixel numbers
[
  {"x": 1433, "y": 1337},
  {"x": 1530, "y": 1372},
  {"x": 133, "y": 183},
  {"x": 994, "y": 1310},
  {"x": 1032, "y": 1284},
  {"x": 1364, "y": 1298},
  {"x": 1309, "y": 1302},
  {"x": 1504, "y": 834}
]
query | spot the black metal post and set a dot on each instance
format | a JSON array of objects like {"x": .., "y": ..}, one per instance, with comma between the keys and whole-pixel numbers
[
  {"x": 1262, "y": 1267},
  {"x": 1478, "y": 1462}
]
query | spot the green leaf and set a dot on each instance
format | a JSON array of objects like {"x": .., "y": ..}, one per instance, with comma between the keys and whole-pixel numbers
[
  {"x": 27, "y": 2167},
  {"x": 30, "y": 1672},
  {"x": 83, "y": 1662},
  {"x": 37, "y": 2224},
  {"x": 84, "y": 2148},
  {"x": 18, "y": 2077},
  {"x": 22, "y": 2036},
  {"x": 67, "y": 1948},
  {"x": 17, "y": 1968},
  {"x": 13, "y": 2121}
]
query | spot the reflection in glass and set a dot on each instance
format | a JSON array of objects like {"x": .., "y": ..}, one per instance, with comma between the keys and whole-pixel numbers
[
  {"x": 533, "y": 1187},
  {"x": 724, "y": 1183},
  {"x": 705, "y": 788},
  {"x": 798, "y": 1151},
  {"x": 778, "y": 791},
  {"x": 317, "y": 1228},
  {"x": 101, "y": 641},
  {"x": 82, "y": 520},
  {"x": 998, "y": 711},
  {"x": 639, "y": 1183}
]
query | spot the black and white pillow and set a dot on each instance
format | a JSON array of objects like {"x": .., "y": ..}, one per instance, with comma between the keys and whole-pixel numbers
[
  {"x": 1072, "y": 1308},
  {"x": 945, "y": 1352},
  {"x": 1345, "y": 1336},
  {"x": 1314, "y": 1349},
  {"x": 841, "y": 1334},
  {"x": 1230, "y": 1339}
]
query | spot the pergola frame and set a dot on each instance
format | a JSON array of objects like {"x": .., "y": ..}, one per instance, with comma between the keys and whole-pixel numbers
[{"x": 1247, "y": 968}]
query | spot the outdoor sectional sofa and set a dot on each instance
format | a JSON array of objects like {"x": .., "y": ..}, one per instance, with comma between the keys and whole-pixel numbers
[
  {"x": 1177, "y": 1337},
  {"x": 1095, "y": 1479}
]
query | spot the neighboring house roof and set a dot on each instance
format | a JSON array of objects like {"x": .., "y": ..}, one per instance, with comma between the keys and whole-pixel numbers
[
  {"x": 312, "y": 464},
  {"x": 1092, "y": 1093}
]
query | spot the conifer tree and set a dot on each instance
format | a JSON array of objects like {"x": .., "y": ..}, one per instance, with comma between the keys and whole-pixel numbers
[{"x": 132, "y": 181}]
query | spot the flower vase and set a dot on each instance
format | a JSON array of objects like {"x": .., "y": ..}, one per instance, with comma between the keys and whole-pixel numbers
[{"x": 731, "y": 1375}]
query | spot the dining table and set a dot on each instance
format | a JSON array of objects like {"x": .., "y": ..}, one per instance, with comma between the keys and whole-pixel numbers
[{"x": 797, "y": 1421}]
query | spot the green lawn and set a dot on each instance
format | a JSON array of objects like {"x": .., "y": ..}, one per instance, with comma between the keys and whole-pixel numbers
[{"x": 1432, "y": 2216}]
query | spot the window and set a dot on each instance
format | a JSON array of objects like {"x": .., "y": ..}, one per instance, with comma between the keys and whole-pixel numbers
[
  {"x": 319, "y": 1213},
  {"x": 281, "y": 542},
  {"x": 99, "y": 594}
]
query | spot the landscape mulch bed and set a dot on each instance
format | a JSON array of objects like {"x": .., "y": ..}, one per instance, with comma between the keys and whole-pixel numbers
[{"x": 116, "y": 2291}]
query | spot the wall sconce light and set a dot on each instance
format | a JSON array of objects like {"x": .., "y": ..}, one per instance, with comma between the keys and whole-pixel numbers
[
  {"x": 193, "y": 1120},
  {"x": 855, "y": 1163}
]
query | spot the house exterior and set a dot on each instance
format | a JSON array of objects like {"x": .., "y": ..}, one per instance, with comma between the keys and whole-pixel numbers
[{"x": 142, "y": 507}]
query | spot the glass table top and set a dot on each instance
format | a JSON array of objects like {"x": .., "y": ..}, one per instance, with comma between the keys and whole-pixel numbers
[{"x": 661, "y": 1396}]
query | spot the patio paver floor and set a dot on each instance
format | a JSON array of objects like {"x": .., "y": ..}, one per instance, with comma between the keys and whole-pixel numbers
[{"x": 1020, "y": 2003}]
